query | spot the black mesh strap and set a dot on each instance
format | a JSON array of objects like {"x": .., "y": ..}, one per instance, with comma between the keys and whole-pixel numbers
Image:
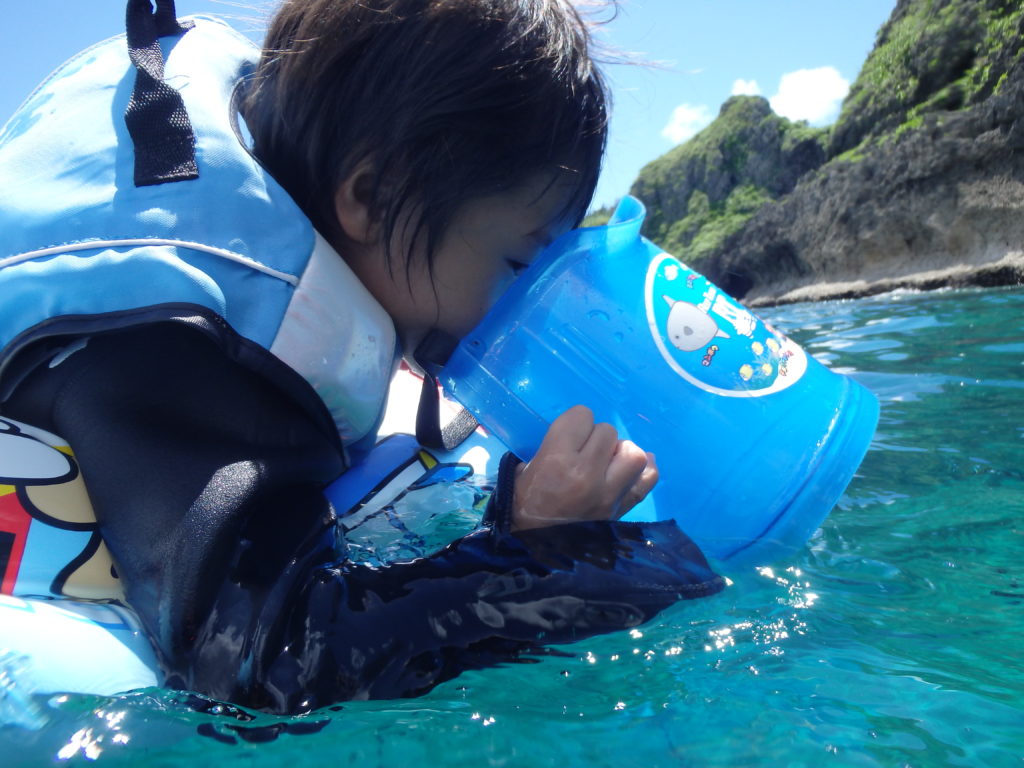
[
  {"x": 431, "y": 355},
  {"x": 156, "y": 118}
]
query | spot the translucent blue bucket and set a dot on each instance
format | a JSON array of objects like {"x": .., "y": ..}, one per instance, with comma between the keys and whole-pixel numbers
[{"x": 755, "y": 440}]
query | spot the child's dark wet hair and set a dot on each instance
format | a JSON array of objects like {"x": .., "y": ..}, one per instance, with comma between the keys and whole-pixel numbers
[{"x": 448, "y": 100}]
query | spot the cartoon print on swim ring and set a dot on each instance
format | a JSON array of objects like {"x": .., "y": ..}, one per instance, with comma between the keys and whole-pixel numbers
[
  {"x": 49, "y": 538},
  {"x": 712, "y": 341}
]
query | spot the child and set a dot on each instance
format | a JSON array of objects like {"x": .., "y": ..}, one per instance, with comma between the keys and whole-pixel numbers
[{"x": 436, "y": 146}]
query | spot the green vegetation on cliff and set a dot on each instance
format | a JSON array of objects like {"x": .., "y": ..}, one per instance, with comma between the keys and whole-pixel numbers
[
  {"x": 931, "y": 56},
  {"x": 704, "y": 190}
]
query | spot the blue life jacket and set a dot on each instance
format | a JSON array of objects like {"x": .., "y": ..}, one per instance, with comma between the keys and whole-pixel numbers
[{"x": 89, "y": 243}]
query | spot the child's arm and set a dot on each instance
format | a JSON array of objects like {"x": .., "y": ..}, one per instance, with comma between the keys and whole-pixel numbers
[
  {"x": 206, "y": 479},
  {"x": 355, "y": 632}
]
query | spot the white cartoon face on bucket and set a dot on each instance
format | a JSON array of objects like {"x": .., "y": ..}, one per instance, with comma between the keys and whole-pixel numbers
[{"x": 710, "y": 340}]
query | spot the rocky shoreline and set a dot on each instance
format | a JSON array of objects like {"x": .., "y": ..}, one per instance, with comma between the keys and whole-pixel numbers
[
  {"x": 941, "y": 205},
  {"x": 1007, "y": 271}
]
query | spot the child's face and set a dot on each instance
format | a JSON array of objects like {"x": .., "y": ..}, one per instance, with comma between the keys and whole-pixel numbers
[{"x": 489, "y": 241}]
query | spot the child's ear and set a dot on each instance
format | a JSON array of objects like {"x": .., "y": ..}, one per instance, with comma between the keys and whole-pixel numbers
[{"x": 352, "y": 205}]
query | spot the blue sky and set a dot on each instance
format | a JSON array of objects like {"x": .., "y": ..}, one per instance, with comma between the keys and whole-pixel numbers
[{"x": 801, "y": 54}]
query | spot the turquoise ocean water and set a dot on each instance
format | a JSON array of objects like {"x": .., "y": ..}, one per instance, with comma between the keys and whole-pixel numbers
[{"x": 896, "y": 637}]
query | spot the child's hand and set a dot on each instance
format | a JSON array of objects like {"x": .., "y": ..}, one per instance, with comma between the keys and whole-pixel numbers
[{"x": 581, "y": 472}]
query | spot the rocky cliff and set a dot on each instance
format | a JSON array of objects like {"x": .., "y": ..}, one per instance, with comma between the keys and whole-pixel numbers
[
  {"x": 919, "y": 184},
  {"x": 705, "y": 190}
]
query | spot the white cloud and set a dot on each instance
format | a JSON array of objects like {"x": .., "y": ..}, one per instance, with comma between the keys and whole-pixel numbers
[
  {"x": 814, "y": 95},
  {"x": 686, "y": 121},
  {"x": 746, "y": 88}
]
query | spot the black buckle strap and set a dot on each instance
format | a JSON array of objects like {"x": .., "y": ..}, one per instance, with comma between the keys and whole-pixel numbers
[
  {"x": 165, "y": 144},
  {"x": 431, "y": 354}
]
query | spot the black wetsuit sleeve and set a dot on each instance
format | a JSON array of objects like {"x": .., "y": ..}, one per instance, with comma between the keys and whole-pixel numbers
[{"x": 207, "y": 480}]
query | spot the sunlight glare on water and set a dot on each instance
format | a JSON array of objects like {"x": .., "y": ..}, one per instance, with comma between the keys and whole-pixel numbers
[{"x": 893, "y": 638}]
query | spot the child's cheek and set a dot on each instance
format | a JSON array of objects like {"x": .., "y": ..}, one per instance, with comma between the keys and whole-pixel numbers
[
  {"x": 501, "y": 283},
  {"x": 476, "y": 305}
]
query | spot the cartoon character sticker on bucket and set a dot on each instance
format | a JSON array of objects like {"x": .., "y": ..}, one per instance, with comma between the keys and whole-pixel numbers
[{"x": 710, "y": 340}]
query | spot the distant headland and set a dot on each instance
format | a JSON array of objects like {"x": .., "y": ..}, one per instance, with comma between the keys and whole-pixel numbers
[{"x": 919, "y": 184}]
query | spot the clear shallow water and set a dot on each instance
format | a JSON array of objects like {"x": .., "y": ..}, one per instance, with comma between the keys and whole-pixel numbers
[{"x": 895, "y": 638}]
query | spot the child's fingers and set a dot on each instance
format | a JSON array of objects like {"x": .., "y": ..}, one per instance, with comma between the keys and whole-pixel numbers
[
  {"x": 570, "y": 431},
  {"x": 647, "y": 480},
  {"x": 581, "y": 472},
  {"x": 638, "y": 492},
  {"x": 625, "y": 468},
  {"x": 651, "y": 470},
  {"x": 600, "y": 447}
]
